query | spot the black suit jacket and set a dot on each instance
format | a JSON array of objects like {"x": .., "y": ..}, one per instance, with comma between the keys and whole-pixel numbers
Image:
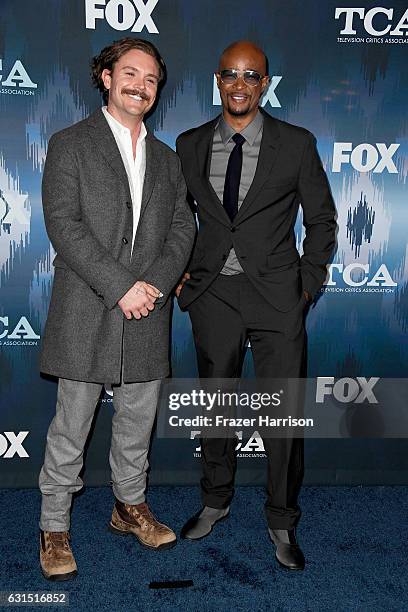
[{"x": 289, "y": 172}]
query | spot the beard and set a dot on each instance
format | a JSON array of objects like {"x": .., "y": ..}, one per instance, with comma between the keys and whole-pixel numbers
[{"x": 238, "y": 110}]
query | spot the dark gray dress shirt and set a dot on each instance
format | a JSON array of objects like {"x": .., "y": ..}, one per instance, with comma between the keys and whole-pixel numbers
[{"x": 221, "y": 149}]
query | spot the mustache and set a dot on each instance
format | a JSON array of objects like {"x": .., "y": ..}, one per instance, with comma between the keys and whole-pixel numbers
[{"x": 136, "y": 92}]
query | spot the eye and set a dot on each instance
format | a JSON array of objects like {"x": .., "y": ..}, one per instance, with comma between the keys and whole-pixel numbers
[
  {"x": 130, "y": 73},
  {"x": 252, "y": 80},
  {"x": 228, "y": 76}
]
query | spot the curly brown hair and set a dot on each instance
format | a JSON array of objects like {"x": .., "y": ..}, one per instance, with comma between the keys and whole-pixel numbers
[{"x": 111, "y": 54}]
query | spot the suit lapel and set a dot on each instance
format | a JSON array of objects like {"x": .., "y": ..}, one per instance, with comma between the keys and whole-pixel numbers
[
  {"x": 268, "y": 153},
  {"x": 203, "y": 147},
  {"x": 203, "y": 154},
  {"x": 102, "y": 135}
]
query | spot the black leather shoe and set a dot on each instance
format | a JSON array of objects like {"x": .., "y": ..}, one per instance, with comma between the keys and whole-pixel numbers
[
  {"x": 201, "y": 524},
  {"x": 288, "y": 552}
]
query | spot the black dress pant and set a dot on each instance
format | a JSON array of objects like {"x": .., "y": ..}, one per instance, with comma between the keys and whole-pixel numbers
[{"x": 223, "y": 318}]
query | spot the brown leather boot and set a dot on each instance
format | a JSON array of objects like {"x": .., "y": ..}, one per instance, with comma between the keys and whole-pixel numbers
[
  {"x": 140, "y": 522},
  {"x": 56, "y": 558}
]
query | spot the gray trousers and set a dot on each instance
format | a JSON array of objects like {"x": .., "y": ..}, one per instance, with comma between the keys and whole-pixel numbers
[{"x": 134, "y": 413}]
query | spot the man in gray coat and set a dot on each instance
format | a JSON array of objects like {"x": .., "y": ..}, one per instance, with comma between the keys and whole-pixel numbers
[{"x": 115, "y": 209}]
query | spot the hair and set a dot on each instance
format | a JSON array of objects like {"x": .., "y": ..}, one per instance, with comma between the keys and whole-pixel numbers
[{"x": 108, "y": 57}]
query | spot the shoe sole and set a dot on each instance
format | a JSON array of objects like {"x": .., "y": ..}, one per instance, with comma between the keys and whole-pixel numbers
[
  {"x": 292, "y": 569},
  {"x": 224, "y": 518},
  {"x": 164, "y": 546},
  {"x": 59, "y": 577}
]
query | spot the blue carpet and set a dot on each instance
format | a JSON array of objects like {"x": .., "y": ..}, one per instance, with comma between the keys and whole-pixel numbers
[{"x": 354, "y": 539}]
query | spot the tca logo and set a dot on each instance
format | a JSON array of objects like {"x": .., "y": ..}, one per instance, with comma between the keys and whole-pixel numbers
[
  {"x": 377, "y": 17},
  {"x": 269, "y": 95},
  {"x": 22, "y": 331},
  {"x": 382, "y": 277},
  {"x": 17, "y": 76},
  {"x": 346, "y": 390},
  {"x": 133, "y": 15},
  {"x": 254, "y": 445},
  {"x": 365, "y": 157},
  {"x": 12, "y": 444}
]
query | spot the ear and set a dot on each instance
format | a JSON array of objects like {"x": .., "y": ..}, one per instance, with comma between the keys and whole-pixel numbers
[
  {"x": 218, "y": 77},
  {"x": 265, "y": 83},
  {"x": 106, "y": 78}
]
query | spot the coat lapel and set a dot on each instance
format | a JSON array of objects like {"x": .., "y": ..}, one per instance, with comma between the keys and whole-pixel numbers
[
  {"x": 102, "y": 135},
  {"x": 268, "y": 153},
  {"x": 152, "y": 168}
]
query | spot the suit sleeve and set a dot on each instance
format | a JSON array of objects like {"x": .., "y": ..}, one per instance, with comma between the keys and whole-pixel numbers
[
  {"x": 318, "y": 218},
  {"x": 167, "y": 269},
  {"x": 69, "y": 233}
]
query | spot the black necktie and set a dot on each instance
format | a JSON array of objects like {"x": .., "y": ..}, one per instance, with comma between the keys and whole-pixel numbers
[{"x": 233, "y": 177}]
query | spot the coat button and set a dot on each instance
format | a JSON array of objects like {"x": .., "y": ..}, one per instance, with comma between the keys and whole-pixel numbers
[
  {"x": 128, "y": 205},
  {"x": 233, "y": 229},
  {"x": 124, "y": 240},
  {"x": 243, "y": 256}
]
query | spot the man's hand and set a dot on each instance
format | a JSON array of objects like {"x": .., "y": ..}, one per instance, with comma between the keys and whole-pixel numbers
[
  {"x": 139, "y": 300},
  {"x": 179, "y": 287}
]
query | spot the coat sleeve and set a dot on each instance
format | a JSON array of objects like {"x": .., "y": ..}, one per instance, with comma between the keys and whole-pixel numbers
[
  {"x": 318, "y": 218},
  {"x": 167, "y": 269},
  {"x": 70, "y": 234}
]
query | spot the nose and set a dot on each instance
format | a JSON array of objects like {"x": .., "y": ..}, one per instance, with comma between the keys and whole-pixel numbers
[
  {"x": 138, "y": 82},
  {"x": 240, "y": 83}
]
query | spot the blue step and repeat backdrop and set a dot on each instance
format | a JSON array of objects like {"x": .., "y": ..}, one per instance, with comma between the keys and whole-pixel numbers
[{"x": 338, "y": 69}]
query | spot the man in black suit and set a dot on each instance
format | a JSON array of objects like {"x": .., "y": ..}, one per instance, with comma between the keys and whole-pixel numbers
[{"x": 248, "y": 173}]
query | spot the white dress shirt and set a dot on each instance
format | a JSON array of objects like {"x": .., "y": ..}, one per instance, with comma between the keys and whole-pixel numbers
[{"x": 135, "y": 167}]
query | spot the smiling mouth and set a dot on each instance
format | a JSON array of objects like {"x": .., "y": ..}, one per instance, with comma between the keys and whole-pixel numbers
[{"x": 239, "y": 97}]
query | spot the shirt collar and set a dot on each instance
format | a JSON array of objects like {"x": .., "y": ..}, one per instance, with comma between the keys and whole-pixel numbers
[
  {"x": 249, "y": 133},
  {"x": 120, "y": 129}
]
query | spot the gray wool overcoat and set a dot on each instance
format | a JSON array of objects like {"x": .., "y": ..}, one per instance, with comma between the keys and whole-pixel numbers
[{"x": 88, "y": 216}]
